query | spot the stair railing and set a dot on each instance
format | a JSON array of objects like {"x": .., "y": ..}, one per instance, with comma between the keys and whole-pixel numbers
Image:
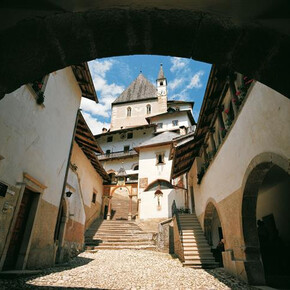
[{"x": 178, "y": 247}]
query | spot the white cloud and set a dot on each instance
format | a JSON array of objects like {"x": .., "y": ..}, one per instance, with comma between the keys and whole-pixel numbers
[
  {"x": 195, "y": 81},
  {"x": 178, "y": 63},
  {"x": 101, "y": 67},
  {"x": 107, "y": 92},
  {"x": 95, "y": 125},
  {"x": 175, "y": 83}
]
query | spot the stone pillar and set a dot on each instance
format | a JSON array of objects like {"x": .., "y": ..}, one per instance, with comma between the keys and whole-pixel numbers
[
  {"x": 130, "y": 208},
  {"x": 109, "y": 209}
]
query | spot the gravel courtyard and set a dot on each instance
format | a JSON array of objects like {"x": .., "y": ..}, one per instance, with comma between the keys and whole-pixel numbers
[{"x": 125, "y": 269}]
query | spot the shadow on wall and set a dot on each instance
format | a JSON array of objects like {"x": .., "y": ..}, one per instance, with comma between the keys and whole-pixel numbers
[{"x": 23, "y": 282}]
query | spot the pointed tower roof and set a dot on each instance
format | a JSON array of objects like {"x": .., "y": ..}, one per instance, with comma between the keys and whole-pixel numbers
[
  {"x": 161, "y": 73},
  {"x": 140, "y": 89}
]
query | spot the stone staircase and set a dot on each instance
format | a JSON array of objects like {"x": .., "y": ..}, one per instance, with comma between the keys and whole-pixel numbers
[
  {"x": 197, "y": 252},
  {"x": 117, "y": 235}
]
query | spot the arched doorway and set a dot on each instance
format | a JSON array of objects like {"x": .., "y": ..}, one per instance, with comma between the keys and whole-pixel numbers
[
  {"x": 213, "y": 231},
  {"x": 266, "y": 219}
]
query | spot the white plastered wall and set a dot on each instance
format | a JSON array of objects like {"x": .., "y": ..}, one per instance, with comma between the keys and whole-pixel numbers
[
  {"x": 139, "y": 136},
  {"x": 90, "y": 181},
  {"x": 36, "y": 139},
  {"x": 166, "y": 120},
  {"x": 138, "y": 113},
  {"x": 262, "y": 126}
]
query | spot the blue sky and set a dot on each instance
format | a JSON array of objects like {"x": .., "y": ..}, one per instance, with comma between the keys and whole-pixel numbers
[{"x": 186, "y": 80}]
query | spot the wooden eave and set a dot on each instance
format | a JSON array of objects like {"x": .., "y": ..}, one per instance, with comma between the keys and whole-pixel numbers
[
  {"x": 84, "y": 79},
  {"x": 86, "y": 141},
  {"x": 184, "y": 155}
]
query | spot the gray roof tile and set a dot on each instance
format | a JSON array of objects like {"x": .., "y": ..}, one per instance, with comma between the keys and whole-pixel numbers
[
  {"x": 139, "y": 89},
  {"x": 160, "y": 138}
]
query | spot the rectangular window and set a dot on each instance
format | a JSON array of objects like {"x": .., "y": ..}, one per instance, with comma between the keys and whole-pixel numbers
[
  {"x": 94, "y": 197},
  {"x": 126, "y": 149},
  {"x": 110, "y": 139},
  {"x": 174, "y": 122},
  {"x": 160, "y": 158},
  {"x": 130, "y": 135},
  {"x": 159, "y": 125},
  {"x": 108, "y": 152}
]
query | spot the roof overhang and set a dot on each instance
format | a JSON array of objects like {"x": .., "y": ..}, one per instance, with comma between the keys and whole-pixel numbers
[
  {"x": 185, "y": 149},
  {"x": 86, "y": 141},
  {"x": 124, "y": 130},
  {"x": 84, "y": 79},
  {"x": 137, "y": 149}
]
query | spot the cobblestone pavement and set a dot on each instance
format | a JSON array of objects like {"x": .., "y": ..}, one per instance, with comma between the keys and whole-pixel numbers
[{"x": 125, "y": 269}]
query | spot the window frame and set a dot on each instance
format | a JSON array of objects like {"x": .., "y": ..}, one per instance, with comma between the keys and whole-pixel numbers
[
  {"x": 129, "y": 111},
  {"x": 158, "y": 156},
  {"x": 148, "y": 109},
  {"x": 94, "y": 197},
  {"x": 175, "y": 121},
  {"x": 159, "y": 125}
]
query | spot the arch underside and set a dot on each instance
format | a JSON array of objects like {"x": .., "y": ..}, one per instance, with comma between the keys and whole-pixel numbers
[
  {"x": 45, "y": 41},
  {"x": 257, "y": 171}
]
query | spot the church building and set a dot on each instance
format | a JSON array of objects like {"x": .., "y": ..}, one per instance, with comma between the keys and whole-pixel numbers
[{"x": 137, "y": 148}]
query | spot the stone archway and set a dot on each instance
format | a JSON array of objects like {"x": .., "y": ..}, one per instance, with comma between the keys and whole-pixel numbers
[
  {"x": 43, "y": 37},
  {"x": 255, "y": 175},
  {"x": 213, "y": 229},
  {"x": 212, "y": 222}
]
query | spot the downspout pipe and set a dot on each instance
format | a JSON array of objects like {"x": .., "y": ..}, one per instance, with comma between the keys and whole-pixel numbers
[{"x": 66, "y": 175}]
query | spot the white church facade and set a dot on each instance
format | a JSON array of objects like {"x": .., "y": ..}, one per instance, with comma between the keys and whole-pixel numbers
[{"x": 137, "y": 147}]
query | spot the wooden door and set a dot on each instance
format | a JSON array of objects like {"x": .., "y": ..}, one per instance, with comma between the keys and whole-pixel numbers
[{"x": 18, "y": 230}]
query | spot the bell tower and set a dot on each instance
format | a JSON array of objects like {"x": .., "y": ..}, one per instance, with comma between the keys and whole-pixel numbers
[{"x": 161, "y": 84}]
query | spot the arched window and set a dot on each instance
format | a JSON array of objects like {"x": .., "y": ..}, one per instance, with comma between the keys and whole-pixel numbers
[
  {"x": 148, "y": 107},
  {"x": 129, "y": 110},
  {"x": 136, "y": 167}
]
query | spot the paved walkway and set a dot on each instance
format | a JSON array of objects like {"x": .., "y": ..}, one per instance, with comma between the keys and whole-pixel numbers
[{"x": 125, "y": 269}]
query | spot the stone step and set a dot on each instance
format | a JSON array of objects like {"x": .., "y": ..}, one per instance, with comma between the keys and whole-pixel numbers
[
  {"x": 188, "y": 227},
  {"x": 108, "y": 247},
  {"x": 194, "y": 242},
  {"x": 118, "y": 239},
  {"x": 139, "y": 234},
  {"x": 203, "y": 258},
  {"x": 196, "y": 248},
  {"x": 116, "y": 232},
  {"x": 198, "y": 252},
  {"x": 200, "y": 265},
  {"x": 194, "y": 239},
  {"x": 122, "y": 243},
  {"x": 186, "y": 234}
]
